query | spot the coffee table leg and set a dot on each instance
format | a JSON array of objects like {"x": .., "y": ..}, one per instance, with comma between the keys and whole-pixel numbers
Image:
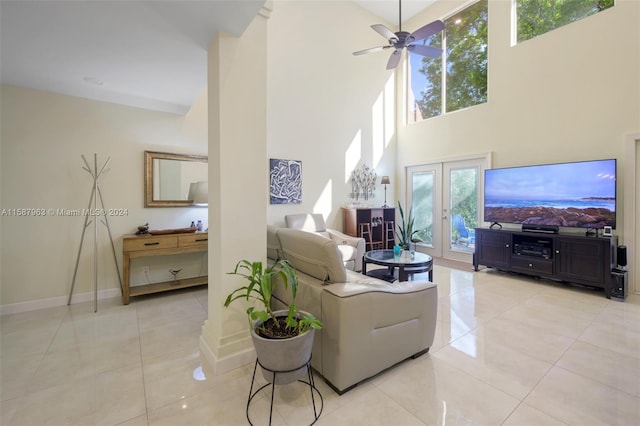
[
  {"x": 364, "y": 266},
  {"x": 402, "y": 275}
]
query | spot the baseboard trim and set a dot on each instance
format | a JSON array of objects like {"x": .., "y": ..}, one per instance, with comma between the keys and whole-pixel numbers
[
  {"x": 223, "y": 365},
  {"x": 54, "y": 302}
]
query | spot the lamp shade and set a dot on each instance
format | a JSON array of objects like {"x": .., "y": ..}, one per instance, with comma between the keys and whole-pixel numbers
[
  {"x": 385, "y": 180},
  {"x": 199, "y": 193}
]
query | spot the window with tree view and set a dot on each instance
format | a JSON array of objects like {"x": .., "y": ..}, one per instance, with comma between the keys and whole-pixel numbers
[
  {"x": 457, "y": 79},
  {"x": 536, "y": 17}
]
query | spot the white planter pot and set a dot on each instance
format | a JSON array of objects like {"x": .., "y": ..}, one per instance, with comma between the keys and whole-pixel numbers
[{"x": 283, "y": 354}]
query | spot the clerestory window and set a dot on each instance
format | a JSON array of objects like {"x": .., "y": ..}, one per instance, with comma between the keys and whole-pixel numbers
[
  {"x": 457, "y": 79},
  {"x": 536, "y": 17}
]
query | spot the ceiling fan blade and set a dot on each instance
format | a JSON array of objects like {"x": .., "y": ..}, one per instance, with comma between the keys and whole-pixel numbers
[
  {"x": 428, "y": 30},
  {"x": 384, "y": 31},
  {"x": 428, "y": 51},
  {"x": 371, "y": 50},
  {"x": 394, "y": 60}
]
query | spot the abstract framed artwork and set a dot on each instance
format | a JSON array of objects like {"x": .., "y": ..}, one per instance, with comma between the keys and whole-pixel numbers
[{"x": 285, "y": 181}]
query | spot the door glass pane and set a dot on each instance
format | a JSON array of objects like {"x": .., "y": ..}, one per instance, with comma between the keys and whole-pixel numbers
[
  {"x": 422, "y": 205},
  {"x": 463, "y": 208}
]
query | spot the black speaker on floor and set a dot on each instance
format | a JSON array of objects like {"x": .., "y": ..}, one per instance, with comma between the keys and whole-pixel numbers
[{"x": 621, "y": 255}]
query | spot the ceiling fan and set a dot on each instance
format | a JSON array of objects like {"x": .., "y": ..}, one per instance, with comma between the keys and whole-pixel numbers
[{"x": 401, "y": 39}]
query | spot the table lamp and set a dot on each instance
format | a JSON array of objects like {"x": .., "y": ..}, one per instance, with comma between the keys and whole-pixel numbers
[
  {"x": 199, "y": 193},
  {"x": 385, "y": 181}
]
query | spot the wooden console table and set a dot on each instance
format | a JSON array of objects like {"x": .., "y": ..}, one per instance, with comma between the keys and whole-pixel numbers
[{"x": 135, "y": 246}]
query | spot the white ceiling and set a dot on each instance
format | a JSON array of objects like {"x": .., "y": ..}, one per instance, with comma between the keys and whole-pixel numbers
[
  {"x": 389, "y": 10},
  {"x": 148, "y": 54}
]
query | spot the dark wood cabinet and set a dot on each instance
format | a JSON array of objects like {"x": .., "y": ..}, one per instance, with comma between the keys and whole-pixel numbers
[
  {"x": 375, "y": 225},
  {"x": 577, "y": 259},
  {"x": 581, "y": 259},
  {"x": 493, "y": 248}
]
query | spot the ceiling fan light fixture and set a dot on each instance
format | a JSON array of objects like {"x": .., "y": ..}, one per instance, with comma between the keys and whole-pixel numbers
[{"x": 402, "y": 39}]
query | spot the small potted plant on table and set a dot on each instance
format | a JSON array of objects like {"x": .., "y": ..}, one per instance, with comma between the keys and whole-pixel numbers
[{"x": 406, "y": 232}]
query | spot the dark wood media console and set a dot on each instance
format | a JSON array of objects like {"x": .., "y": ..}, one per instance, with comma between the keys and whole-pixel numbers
[{"x": 585, "y": 260}]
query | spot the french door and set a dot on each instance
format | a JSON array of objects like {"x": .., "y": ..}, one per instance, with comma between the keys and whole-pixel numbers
[{"x": 445, "y": 201}]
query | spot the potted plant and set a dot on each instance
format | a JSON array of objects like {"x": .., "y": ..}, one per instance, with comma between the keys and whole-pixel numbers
[
  {"x": 283, "y": 339},
  {"x": 406, "y": 233}
]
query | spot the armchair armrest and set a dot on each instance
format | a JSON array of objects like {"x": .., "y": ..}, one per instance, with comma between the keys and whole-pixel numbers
[
  {"x": 344, "y": 239},
  {"x": 341, "y": 238},
  {"x": 392, "y": 322}
]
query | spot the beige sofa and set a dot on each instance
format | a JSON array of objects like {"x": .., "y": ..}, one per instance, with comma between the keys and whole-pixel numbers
[
  {"x": 369, "y": 324},
  {"x": 351, "y": 248}
]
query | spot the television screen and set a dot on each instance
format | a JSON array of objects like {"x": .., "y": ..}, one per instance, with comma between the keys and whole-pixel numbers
[{"x": 580, "y": 194}]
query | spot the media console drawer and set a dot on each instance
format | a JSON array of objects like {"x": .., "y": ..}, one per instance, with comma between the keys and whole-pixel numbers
[{"x": 542, "y": 266}]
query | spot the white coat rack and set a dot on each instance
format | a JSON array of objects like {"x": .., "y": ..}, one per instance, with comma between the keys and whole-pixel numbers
[{"x": 95, "y": 213}]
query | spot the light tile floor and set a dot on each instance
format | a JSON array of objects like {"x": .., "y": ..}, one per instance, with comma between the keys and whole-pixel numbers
[{"x": 508, "y": 351}]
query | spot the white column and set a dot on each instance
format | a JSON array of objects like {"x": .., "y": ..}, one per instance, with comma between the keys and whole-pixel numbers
[{"x": 238, "y": 185}]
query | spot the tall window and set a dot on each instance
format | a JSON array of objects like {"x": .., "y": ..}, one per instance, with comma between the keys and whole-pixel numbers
[
  {"x": 536, "y": 17},
  {"x": 458, "y": 79}
]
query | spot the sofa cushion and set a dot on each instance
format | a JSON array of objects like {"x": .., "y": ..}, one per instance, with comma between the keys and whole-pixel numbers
[
  {"x": 312, "y": 254},
  {"x": 310, "y": 222},
  {"x": 273, "y": 243}
]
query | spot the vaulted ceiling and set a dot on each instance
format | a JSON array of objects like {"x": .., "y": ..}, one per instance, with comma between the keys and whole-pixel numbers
[{"x": 148, "y": 54}]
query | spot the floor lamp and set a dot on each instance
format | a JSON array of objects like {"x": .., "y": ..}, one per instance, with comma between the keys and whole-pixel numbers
[{"x": 385, "y": 181}]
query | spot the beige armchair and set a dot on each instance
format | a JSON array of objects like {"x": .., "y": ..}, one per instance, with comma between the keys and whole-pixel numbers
[
  {"x": 369, "y": 324},
  {"x": 351, "y": 248}
]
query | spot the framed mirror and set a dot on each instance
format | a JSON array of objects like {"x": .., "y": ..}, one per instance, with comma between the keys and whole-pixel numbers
[{"x": 170, "y": 179}]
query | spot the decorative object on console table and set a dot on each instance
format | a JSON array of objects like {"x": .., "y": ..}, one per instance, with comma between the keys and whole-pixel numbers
[
  {"x": 355, "y": 220},
  {"x": 285, "y": 181},
  {"x": 282, "y": 339},
  {"x": 138, "y": 246},
  {"x": 173, "y": 231},
  {"x": 385, "y": 181}
]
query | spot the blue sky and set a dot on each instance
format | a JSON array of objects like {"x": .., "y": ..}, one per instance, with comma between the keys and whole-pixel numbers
[{"x": 553, "y": 181}]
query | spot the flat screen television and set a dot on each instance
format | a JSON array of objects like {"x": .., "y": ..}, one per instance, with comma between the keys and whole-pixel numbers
[{"x": 578, "y": 194}]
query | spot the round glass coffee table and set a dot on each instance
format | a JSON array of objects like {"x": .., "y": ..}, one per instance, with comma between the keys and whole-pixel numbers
[{"x": 406, "y": 264}]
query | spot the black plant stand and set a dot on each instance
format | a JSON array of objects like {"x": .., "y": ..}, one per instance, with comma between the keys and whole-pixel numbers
[{"x": 311, "y": 383}]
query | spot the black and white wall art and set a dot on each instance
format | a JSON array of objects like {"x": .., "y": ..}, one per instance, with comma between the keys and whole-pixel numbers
[{"x": 285, "y": 181}]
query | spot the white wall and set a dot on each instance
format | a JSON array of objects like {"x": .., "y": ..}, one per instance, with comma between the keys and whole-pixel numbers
[
  {"x": 571, "y": 94},
  {"x": 326, "y": 107},
  {"x": 43, "y": 138}
]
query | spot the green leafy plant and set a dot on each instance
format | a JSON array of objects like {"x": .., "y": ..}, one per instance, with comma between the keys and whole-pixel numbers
[
  {"x": 261, "y": 283},
  {"x": 406, "y": 232}
]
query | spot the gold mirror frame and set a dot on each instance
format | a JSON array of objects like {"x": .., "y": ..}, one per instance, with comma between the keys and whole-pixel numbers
[{"x": 149, "y": 157}]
